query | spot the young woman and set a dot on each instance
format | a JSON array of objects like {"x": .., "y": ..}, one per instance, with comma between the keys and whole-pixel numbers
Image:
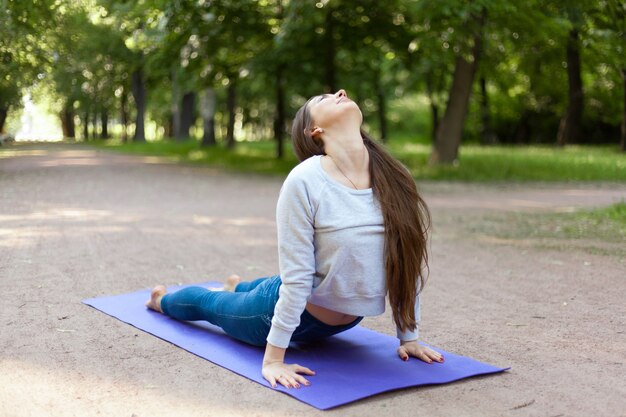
[{"x": 351, "y": 228}]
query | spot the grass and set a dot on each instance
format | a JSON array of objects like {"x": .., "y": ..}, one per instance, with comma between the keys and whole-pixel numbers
[
  {"x": 518, "y": 163},
  {"x": 257, "y": 157},
  {"x": 599, "y": 231},
  {"x": 477, "y": 163}
]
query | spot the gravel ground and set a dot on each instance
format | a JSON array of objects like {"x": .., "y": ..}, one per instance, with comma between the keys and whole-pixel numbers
[{"x": 77, "y": 222}]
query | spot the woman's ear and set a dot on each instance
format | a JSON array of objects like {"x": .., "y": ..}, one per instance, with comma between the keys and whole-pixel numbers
[{"x": 316, "y": 131}]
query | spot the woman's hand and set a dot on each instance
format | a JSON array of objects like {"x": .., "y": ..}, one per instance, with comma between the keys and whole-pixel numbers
[
  {"x": 418, "y": 351},
  {"x": 285, "y": 374}
]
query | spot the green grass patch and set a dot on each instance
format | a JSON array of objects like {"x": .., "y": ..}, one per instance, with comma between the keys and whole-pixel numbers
[
  {"x": 477, "y": 163},
  {"x": 517, "y": 163},
  {"x": 599, "y": 231},
  {"x": 257, "y": 157}
]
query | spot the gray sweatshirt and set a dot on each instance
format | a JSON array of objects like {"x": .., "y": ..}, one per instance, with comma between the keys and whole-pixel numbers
[{"x": 330, "y": 250}]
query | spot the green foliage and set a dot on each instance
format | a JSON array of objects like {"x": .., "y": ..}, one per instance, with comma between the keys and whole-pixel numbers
[
  {"x": 397, "y": 55},
  {"x": 23, "y": 45},
  {"x": 86, "y": 65}
]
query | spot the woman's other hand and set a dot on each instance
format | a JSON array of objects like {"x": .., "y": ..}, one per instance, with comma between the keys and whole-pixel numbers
[
  {"x": 418, "y": 351},
  {"x": 286, "y": 374}
]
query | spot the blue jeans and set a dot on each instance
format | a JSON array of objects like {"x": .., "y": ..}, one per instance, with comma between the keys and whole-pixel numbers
[{"x": 245, "y": 314}]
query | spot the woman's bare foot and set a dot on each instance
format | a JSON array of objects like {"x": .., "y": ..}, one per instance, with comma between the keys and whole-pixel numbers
[
  {"x": 231, "y": 283},
  {"x": 154, "y": 303}
]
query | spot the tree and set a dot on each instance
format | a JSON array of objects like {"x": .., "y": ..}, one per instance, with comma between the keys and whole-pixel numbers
[
  {"x": 469, "y": 20},
  {"x": 139, "y": 25},
  {"x": 462, "y": 27},
  {"x": 23, "y": 48},
  {"x": 609, "y": 34},
  {"x": 570, "y": 128}
]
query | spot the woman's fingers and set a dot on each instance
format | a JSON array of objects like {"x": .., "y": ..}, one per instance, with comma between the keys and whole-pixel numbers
[
  {"x": 294, "y": 380},
  {"x": 303, "y": 369},
  {"x": 403, "y": 353},
  {"x": 282, "y": 380},
  {"x": 423, "y": 356},
  {"x": 302, "y": 380},
  {"x": 291, "y": 382},
  {"x": 436, "y": 356},
  {"x": 423, "y": 353},
  {"x": 286, "y": 375}
]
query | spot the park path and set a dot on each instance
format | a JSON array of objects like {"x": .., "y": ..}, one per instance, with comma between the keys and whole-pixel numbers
[{"x": 77, "y": 222}]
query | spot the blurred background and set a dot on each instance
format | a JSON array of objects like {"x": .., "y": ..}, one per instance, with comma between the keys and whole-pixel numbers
[{"x": 430, "y": 76}]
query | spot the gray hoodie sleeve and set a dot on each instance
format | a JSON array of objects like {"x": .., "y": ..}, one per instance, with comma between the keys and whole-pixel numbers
[
  {"x": 296, "y": 258},
  {"x": 409, "y": 335}
]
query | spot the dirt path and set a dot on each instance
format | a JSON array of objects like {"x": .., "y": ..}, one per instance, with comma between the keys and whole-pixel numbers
[{"x": 77, "y": 223}]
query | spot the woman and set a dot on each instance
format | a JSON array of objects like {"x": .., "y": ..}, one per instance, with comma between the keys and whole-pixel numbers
[{"x": 351, "y": 228}]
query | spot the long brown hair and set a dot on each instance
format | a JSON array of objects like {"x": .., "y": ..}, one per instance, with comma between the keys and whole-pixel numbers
[{"x": 405, "y": 214}]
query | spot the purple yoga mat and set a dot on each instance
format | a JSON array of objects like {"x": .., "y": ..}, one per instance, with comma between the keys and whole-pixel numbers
[{"x": 352, "y": 365}]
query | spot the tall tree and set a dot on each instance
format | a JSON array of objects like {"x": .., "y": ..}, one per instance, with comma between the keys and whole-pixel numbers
[
  {"x": 609, "y": 36},
  {"x": 24, "y": 50},
  {"x": 570, "y": 128},
  {"x": 450, "y": 130}
]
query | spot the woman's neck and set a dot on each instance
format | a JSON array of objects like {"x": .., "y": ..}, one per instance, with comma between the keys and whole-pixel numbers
[{"x": 346, "y": 147}]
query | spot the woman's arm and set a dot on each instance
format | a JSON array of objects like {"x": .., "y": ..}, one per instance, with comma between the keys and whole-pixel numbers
[
  {"x": 296, "y": 258},
  {"x": 408, "y": 341}
]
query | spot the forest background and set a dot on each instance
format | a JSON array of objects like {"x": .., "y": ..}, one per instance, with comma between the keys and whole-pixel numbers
[{"x": 221, "y": 72}]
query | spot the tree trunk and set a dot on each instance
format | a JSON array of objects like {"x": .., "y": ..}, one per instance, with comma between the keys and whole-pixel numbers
[
  {"x": 450, "y": 130},
  {"x": 329, "y": 64},
  {"x": 176, "y": 102},
  {"x": 382, "y": 109},
  {"x": 64, "y": 128},
  {"x": 71, "y": 127},
  {"x": 570, "y": 127},
  {"x": 522, "y": 131},
  {"x": 94, "y": 126},
  {"x": 4, "y": 111},
  {"x": 279, "y": 117},
  {"x": 623, "y": 136},
  {"x": 104, "y": 120},
  {"x": 139, "y": 93},
  {"x": 86, "y": 126},
  {"x": 207, "y": 109},
  {"x": 186, "y": 115},
  {"x": 230, "y": 104},
  {"x": 487, "y": 135},
  {"x": 67, "y": 121},
  {"x": 124, "y": 115},
  {"x": 168, "y": 127},
  {"x": 434, "y": 109}
]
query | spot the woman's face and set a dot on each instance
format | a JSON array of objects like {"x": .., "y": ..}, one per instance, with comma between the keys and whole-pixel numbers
[{"x": 326, "y": 109}]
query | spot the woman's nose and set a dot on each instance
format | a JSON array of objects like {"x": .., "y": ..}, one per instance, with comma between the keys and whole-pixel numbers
[{"x": 341, "y": 93}]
